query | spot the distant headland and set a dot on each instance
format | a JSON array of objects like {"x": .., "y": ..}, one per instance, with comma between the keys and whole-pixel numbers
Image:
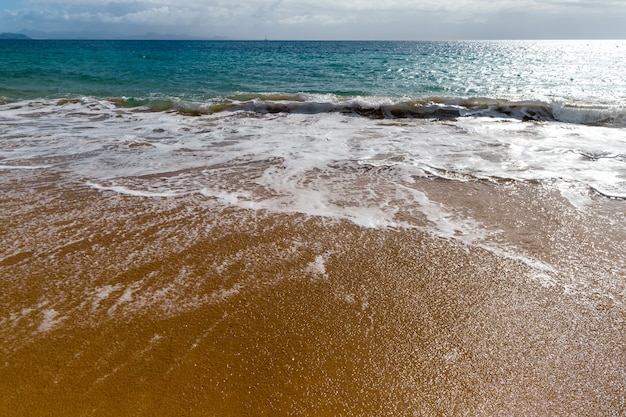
[
  {"x": 13, "y": 36},
  {"x": 34, "y": 34}
]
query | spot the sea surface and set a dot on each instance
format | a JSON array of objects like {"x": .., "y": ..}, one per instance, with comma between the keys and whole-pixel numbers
[{"x": 312, "y": 228}]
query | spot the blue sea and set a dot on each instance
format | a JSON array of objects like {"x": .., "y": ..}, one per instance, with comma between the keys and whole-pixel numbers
[
  {"x": 312, "y": 228},
  {"x": 579, "y": 74}
]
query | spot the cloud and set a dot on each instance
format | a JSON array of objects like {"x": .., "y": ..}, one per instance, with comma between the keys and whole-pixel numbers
[
  {"x": 267, "y": 8},
  {"x": 316, "y": 19},
  {"x": 152, "y": 13},
  {"x": 319, "y": 19}
]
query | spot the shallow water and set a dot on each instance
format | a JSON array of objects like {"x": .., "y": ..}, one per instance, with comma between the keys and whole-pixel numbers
[{"x": 185, "y": 304}]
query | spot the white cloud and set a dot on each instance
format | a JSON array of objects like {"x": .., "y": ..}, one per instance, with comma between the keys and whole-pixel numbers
[
  {"x": 316, "y": 19},
  {"x": 358, "y": 19}
]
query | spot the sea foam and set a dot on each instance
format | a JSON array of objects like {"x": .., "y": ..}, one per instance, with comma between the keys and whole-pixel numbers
[{"x": 331, "y": 164}]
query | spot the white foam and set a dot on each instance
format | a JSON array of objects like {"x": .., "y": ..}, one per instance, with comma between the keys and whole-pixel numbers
[
  {"x": 445, "y": 223},
  {"x": 128, "y": 143},
  {"x": 224, "y": 294},
  {"x": 102, "y": 293},
  {"x": 130, "y": 192},
  {"x": 50, "y": 320},
  {"x": 125, "y": 298},
  {"x": 317, "y": 266},
  {"x": 27, "y": 167},
  {"x": 319, "y": 164},
  {"x": 577, "y": 196},
  {"x": 239, "y": 199}
]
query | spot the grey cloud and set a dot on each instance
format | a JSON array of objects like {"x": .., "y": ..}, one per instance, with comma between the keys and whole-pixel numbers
[{"x": 266, "y": 9}]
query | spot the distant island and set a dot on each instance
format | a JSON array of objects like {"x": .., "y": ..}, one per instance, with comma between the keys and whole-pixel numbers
[
  {"x": 34, "y": 34},
  {"x": 13, "y": 36}
]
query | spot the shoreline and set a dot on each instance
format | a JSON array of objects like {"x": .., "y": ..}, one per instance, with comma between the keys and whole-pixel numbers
[{"x": 130, "y": 305}]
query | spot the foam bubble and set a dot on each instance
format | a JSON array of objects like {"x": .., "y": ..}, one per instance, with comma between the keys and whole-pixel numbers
[
  {"x": 577, "y": 196},
  {"x": 317, "y": 266},
  {"x": 50, "y": 320},
  {"x": 130, "y": 192},
  {"x": 125, "y": 298},
  {"x": 224, "y": 294},
  {"x": 27, "y": 167},
  {"x": 102, "y": 293}
]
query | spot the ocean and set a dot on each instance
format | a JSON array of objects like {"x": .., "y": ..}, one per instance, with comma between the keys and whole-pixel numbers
[{"x": 300, "y": 228}]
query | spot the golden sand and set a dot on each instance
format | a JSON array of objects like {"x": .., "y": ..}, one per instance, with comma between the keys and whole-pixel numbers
[{"x": 127, "y": 306}]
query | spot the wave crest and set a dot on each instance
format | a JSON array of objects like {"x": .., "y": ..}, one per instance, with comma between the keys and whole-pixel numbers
[{"x": 443, "y": 108}]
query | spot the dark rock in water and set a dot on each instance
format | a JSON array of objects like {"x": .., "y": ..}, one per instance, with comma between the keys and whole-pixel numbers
[{"x": 13, "y": 36}]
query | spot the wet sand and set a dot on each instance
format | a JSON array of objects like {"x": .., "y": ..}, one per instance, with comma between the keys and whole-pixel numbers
[{"x": 132, "y": 306}]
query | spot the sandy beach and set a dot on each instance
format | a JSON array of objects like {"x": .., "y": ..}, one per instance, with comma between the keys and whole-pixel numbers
[{"x": 134, "y": 306}]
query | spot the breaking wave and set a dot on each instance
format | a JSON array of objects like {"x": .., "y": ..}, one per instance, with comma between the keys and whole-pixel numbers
[{"x": 440, "y": 108}]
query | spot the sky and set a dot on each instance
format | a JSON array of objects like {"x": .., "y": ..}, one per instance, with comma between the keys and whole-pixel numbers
[{"x": 322, "y": 19}]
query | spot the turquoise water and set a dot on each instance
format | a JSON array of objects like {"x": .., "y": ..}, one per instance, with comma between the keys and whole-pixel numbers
[{"x": 572, "y": 72}]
